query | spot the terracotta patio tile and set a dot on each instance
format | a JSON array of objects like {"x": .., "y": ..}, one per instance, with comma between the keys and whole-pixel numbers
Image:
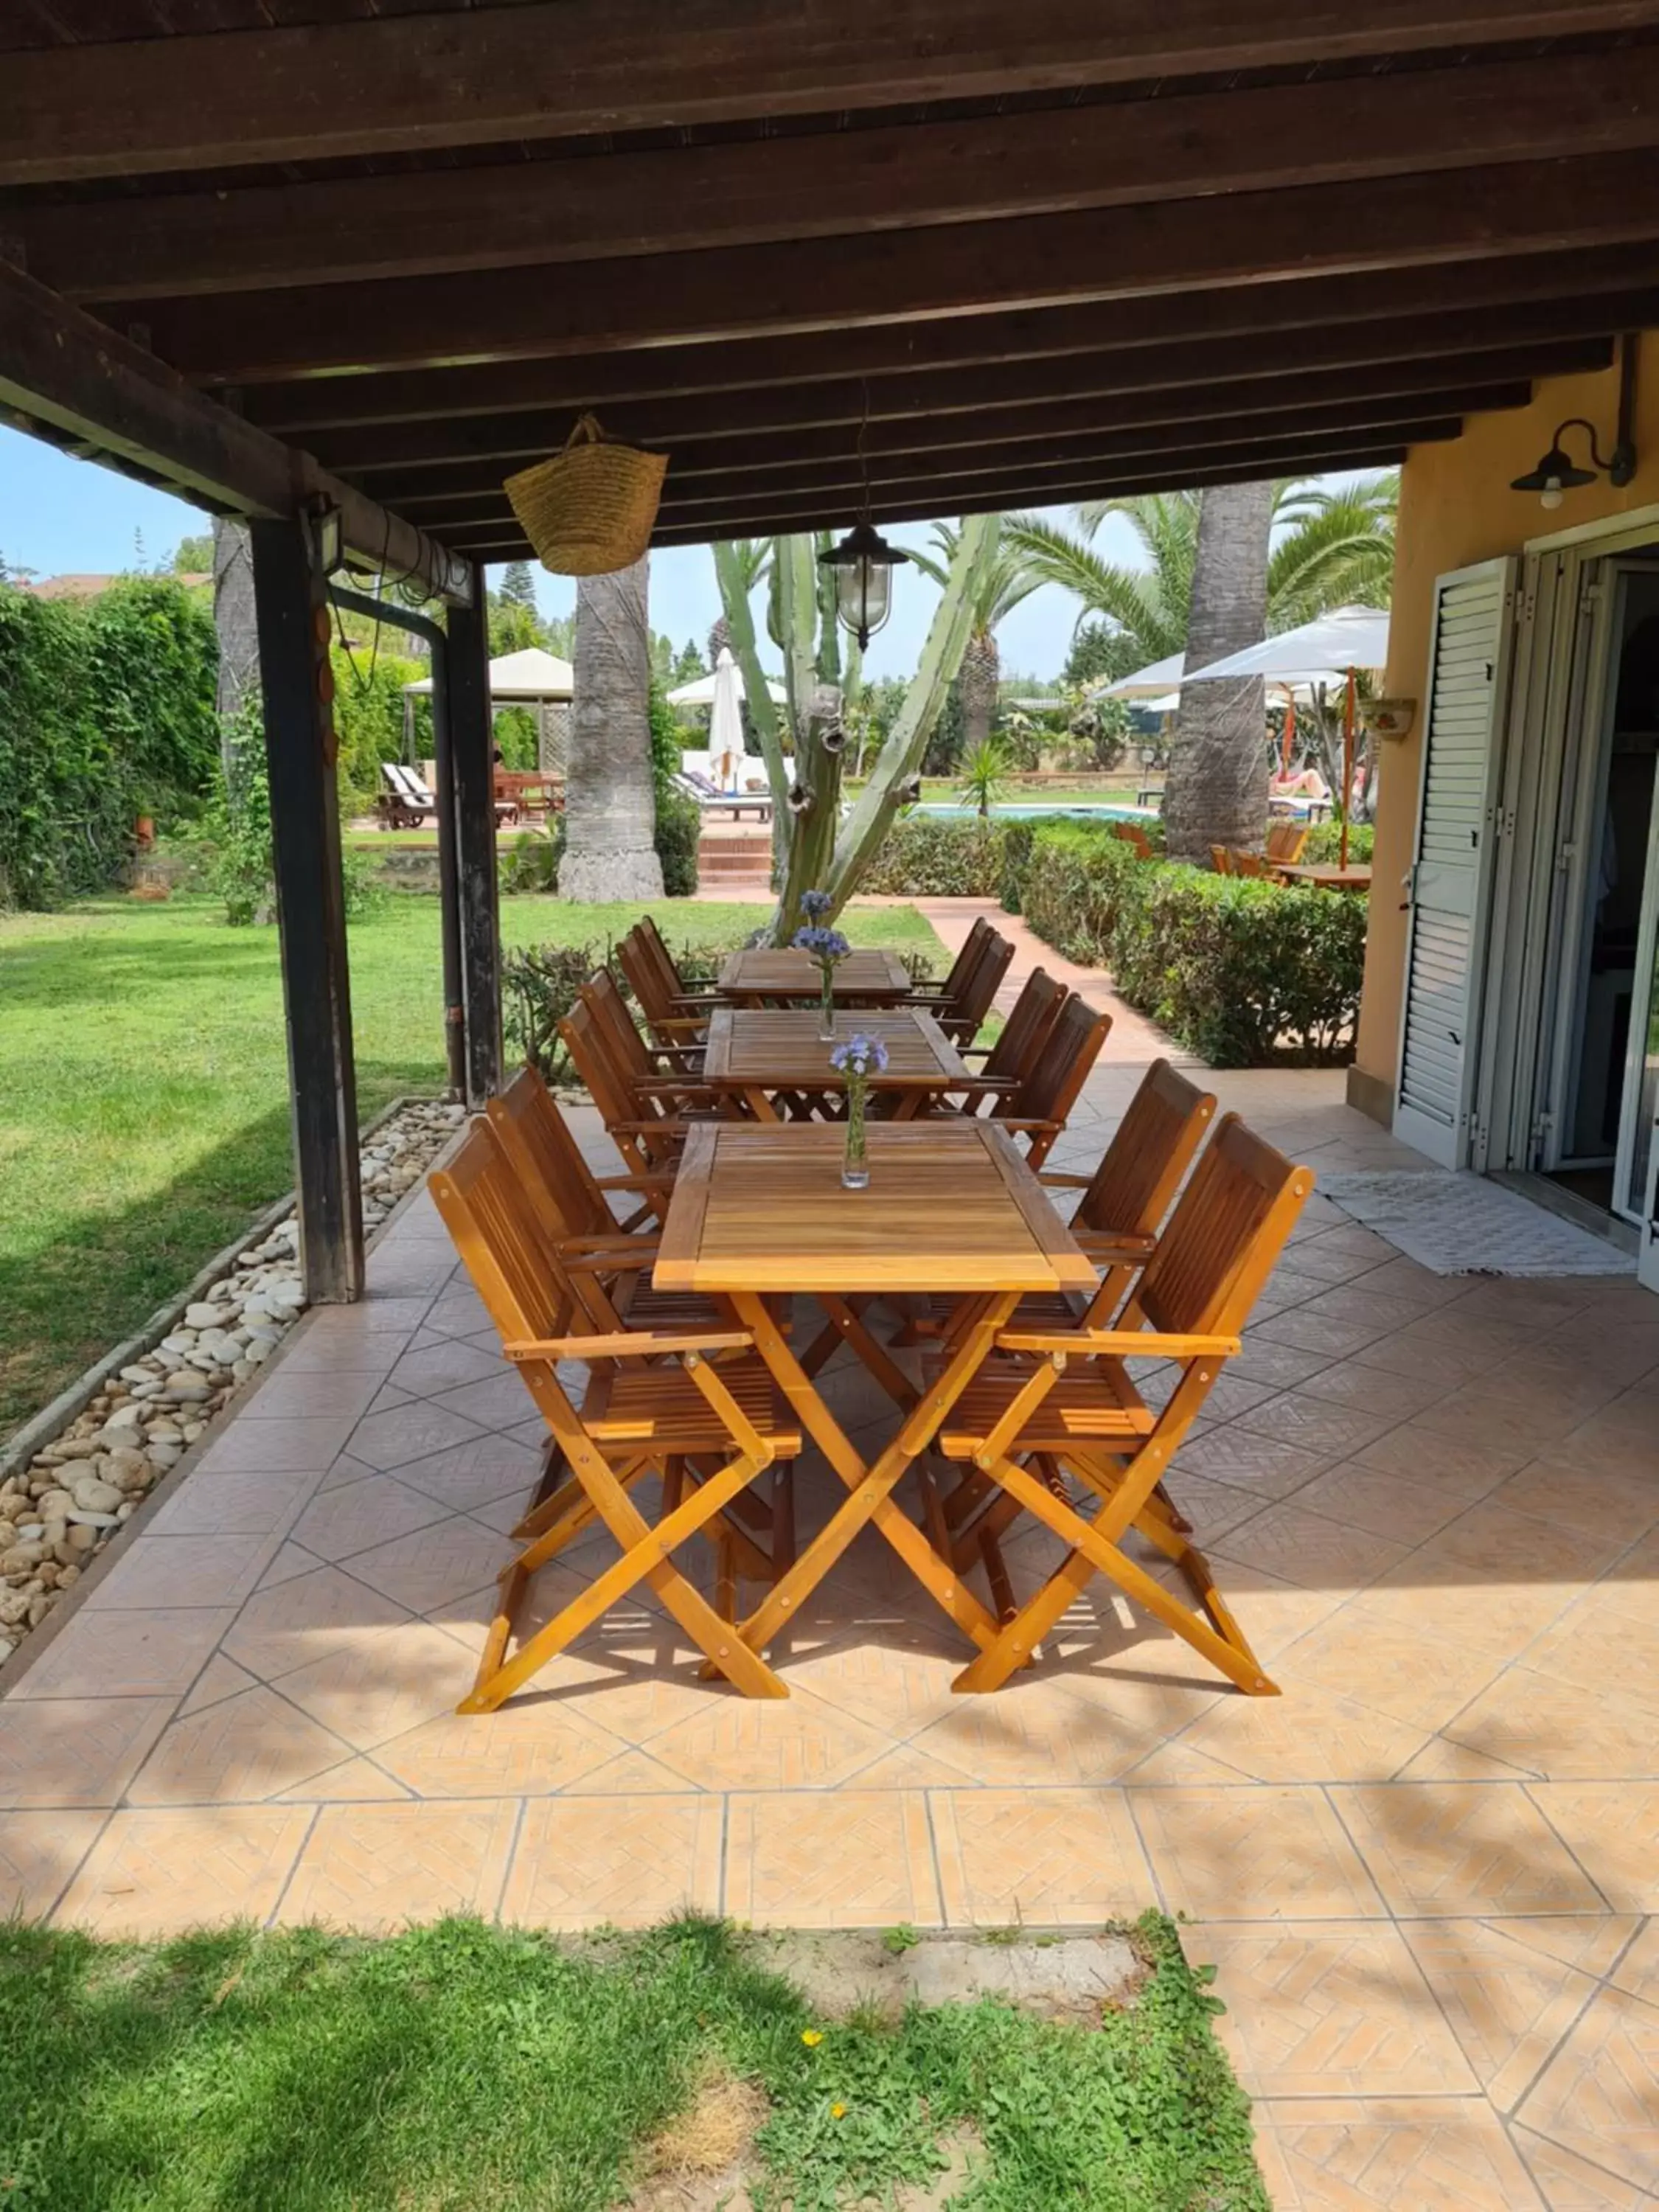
[
  {"x": 625, "y": 1861},
  {"x": 353, "y": 1781},
  {"x": 431, "y": 1565},
  {"x": 1365, "y": 1656},
  {"x": 220, "y": 1678},
  {"x": 323, "y": 1348},
  {"x": 164, "y": 1572},
  {"x": 1447, "y": 1365},
  {"x": 1613, "y": 1830},
  {"x": 1317, "y": 1424},
  {"x": 245, "y": 1747},
  {"x": 1262, "y": 1853},
  {"x": 39, "y": 1853},
  {"x": 125, "y": 1655},
  {"x": 1637, "y": 1971},
  {"x": 631, "y": 1774},
  {"x": 525, "y": 1750},
  {"x": 1041, "y": 1733},
  {"x": 1452, "y": 1598},
  {"x": 1509, "y": 2003},
  {"x": 1462, "y": 1850},
  {"x": 495, "y": 1401},
  {"x": 1038, "y": 1858},
  {"x": 232, "y": 1505},
  {"x": 1570, "y": 2183},
  {"x": 1486, "y": 1412},
  {"x": 357, "y": 1516},
  {"x": 155, "y": 1875},
  {"x": 1370, "y": 1390},
  {"x": 1271, "y": 1612},
  {"x": 1440, "y": 1760},
  {"x": 1281, "y": 1366},
  {"x": 443, "y": 1366},
  {"x": 410, "y": 1432},
  {"x": 283, "y": 1393},
  {"x": 859, "y": 1859},
  {"x": 76, "y": 1751},
  {"x": 1583, "y": 1490},
  {"x": 1562, "y": 1731},
  {"x": 304, "y": 1619},
  {"x": 284, "y": 1442},
  {"x": 380, "y": 1868},
  {"x": 897, "y": 1685},
  {"x": 1590, "y": 1941},
  {"x": 1431, "y": 2154},
  {"x": 747, "y": 1743},
  {"x": 1213, "y": 1508},
  {"x": 1176, "y": 1762},
  {"x": 1310, "y": 1549},
  {"x": 1385, "y": 1504},
  {"x": 1461, "y": 1469},
  {"x": 1308, "y": 1734},
  {"x": 386, "y": 1682},
  {"x": 1263, "y": 1465},
  {"x": 464, "y": 1476},
  {"x": 1316, "y": 2009},
  {"x": 1313, "y": 1332},
  {"x": 1599, "y": 2096},
  {"x": 906, "y": 1768},
  {"x": 292, "y": 1560}
]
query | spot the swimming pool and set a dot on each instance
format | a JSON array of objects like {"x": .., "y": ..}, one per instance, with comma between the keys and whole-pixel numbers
[{"x": 1027, "y": 809}]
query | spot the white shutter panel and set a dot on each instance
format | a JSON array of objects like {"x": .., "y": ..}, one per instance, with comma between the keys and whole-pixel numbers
[{"x": 1470, "y": 662}]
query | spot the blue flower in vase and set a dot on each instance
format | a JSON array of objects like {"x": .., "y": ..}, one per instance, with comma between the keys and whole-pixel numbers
[
  {"x": 821, "y": 945},
  {"x": 816, "y": 904},
  {"x": 861, "y": 1055}
]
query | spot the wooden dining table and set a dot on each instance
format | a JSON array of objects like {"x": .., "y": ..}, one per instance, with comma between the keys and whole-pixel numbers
[
  {"x": 1325, "y": 876},
  {"x": 760, "y": 976},
  {"x": 756, "y": 1056},
  {"x": 952, "y": 1207}
]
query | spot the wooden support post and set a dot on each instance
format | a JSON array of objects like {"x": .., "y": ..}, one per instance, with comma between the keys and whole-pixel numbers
[
  {"x": 472, "y": 771},
  {"x": 300, "y": 745},
  {"x": 449, "y": 897}
]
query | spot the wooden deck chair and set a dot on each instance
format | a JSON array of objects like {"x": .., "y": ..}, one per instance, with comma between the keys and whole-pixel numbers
[
  {"x": 655, "y": 981},
  {"x": 1009, "y": 1060},
  {"x": 1286, "y": 841},
  {"x": 963, "y": 1000},
  {"x": 1131, "y": 833},
  {"x": 1221, "y": 859},
  {"x": 1038, "y": 1106},
  {"x": 653, "y": 1065},
  {"x": 1065, "y": 1400},
  {"x": 696, "y": 1407},
  {"x": 1248, "y": 863},
  {"x": 645, "y": 1129}
]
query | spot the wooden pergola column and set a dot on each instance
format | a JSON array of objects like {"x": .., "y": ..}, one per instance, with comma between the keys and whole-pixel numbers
[
  {"x": 472, "y": 801},
  {"x": 289, "y": 597}
]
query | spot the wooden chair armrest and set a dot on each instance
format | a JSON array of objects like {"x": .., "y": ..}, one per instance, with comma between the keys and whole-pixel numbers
[
  {"x": 1123, "y": 1343},
  {"x": 665, "y": 1128},
  {"x": 617, "y": 1242},
  {"x": 1055, "y": 1179},
  {"x": 1035, "y": 1129},
  {"x": 1099, "y": 1243},
  {"x": 678, "y": 1022},
  {"x": 643, "y": 1344},
  {"x": 684, "y": 1086},
  {"x": 635, "y": 1182},
  {"x": 614, "y": 1260}
]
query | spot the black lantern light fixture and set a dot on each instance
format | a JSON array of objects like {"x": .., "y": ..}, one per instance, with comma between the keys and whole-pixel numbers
[
  {"x": 1557, "y": 472},
  {"x": 863, "y": 562}
]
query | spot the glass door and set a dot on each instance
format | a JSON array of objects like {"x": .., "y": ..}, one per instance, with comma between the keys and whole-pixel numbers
[{"x": 1639, "y": 1149}]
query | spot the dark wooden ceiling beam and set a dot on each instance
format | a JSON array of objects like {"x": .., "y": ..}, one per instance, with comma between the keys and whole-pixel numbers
[
  {"x": 1395, "y": 313},
  {"x": 901, "y": 175},
  {"x": 1041, "y": 400},
  {"x": 830, "y": 284},
  {"x": 838, "y": 486},
  {"x": 99, "y": 396},
  {"x": 574, "y": 67}
]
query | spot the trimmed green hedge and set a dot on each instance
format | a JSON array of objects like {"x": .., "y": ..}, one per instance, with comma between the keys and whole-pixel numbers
[
  {"x": 1243, "y": 973},
  {"x": 1324, "y": 844},
  {"x": 933, "y": 856}
]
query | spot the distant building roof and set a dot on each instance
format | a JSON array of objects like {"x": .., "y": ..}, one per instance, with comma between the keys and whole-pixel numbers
[{"x": 89, "y": 587}]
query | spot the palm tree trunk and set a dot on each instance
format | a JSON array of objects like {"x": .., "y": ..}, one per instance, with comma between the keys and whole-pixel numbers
[
  {"x": 976, "y": 687},
  {"x": 611, "y": 804},
  {"x": 1217, "y": 792}
]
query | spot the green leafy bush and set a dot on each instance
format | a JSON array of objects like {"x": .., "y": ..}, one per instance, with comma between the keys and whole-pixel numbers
[
  {"x": 1016, "y": 858},
  {"x": 1243, "y": 972},
  {"x": 369, "y": 715},
  {"x": 1324, "y": 845},
  {"x": 680, "y": 825},
  {"x": 531, "y": 863},
  {"x": 539, "y": 983},
  {"x": 934, "y": 856}
]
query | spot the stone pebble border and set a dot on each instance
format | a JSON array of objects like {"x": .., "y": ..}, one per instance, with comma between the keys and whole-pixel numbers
[{"x": 71, "y": 1478}]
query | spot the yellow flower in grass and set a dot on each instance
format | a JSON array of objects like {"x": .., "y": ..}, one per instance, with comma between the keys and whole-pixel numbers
[
  {"x": 811, "y": 2037},
  {"x": 838, "y": 2111}
]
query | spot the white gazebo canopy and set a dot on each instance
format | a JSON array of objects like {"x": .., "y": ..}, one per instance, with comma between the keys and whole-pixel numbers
[
  {"x": 702, "y": 693},
  {"x": 517, "y": 677}
]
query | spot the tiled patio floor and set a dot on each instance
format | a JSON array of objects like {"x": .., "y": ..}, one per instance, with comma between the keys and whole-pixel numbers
[{"x": 1422, "y": 1872}]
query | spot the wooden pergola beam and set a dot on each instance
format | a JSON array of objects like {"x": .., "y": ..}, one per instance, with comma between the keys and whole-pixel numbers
[
  {"x": 79, "y": 385},
  {"x": 978, "y": 419},
  {"x": 899, "y": 175},
  {"x": 573, "y": 67},
  {"x": 830, "y": 284},
  {"x": 1271, "y": 328}
]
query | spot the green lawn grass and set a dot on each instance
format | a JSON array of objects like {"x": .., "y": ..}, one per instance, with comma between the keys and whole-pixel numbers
[
  {"x": 464, "y": 2069},
  {"x": 143, "y": 1097}
]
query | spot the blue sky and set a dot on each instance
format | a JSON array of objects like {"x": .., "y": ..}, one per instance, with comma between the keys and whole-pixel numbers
[{"x": 59, "y": 514}]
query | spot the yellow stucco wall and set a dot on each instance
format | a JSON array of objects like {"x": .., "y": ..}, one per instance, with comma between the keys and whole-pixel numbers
[{"x": 1456, "y": 507}]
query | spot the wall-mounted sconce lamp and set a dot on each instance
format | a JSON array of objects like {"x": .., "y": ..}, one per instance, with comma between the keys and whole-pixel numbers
[{"x": 1557, "y": 472}]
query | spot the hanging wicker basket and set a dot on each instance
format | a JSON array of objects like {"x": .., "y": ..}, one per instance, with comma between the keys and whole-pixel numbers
[{"x": 591, "y": 509}]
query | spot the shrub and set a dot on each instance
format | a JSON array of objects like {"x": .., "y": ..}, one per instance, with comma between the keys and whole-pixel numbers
[
  {"x": 1242, "y": 972},
  {"x": 1016, "y": 858},
  {"x": 539, "y": 983},
  {"x": 1324, "y": 844},
  {"x": 680, "y": 825},
  {"x": 934, "y": 856},
  {"x": 533, "y": 862}
]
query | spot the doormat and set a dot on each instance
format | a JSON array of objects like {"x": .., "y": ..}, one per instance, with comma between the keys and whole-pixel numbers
[{"x": 1464, "y": 1224}]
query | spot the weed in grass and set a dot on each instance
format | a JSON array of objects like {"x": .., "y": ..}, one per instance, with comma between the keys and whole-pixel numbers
[{"x": 900, "y": 1940}]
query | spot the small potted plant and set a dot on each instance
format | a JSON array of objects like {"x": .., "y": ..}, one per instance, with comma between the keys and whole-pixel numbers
[
  {"x": 858, "y": 1059},
  {"x": 826, "y": 947}
]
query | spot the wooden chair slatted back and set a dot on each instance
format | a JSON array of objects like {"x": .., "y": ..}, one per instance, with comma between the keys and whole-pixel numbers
[
  {"x": 1141, "y": 1169},
  {"x": 538, "y": 1142},
  {"x": 1221, "y": 859},
  {"x": 1249, "y": 864},
  {"x": 973, "y": 1002},
  {"x": 1131, "y": 833},
  {"x": 1060, "y": 1070},
  {"x": 1026, "y": 1029},
  {"x": 511, "y": 1261},
  {"x": 1286, "y": 841},
  {"x": 588, "y": 1043},
  {"x": 603, "y": 997},
  {"x": 643, "y": 981},
  {"x": 650, "y": 938},
  {"x": 1225, "y": 1238},
  {"x": 966, "y": 960}
]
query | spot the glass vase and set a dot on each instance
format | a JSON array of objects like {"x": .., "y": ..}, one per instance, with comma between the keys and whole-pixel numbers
[
  {"x": 856, "y": 1161},
  {"x": 827, "y": 1005}
]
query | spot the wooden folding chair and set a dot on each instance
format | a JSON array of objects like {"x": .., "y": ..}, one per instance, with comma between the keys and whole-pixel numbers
[
  {"x": 1038, "y": 1106},
  {"x": 1064, "y": 1399},
  {"x": 1011, "y": 1058},
  {"x": 648, "y": 1064},
  {"x": 696, "y": 1407},
  {"x": 1131, "y": 833},
  {"x": 655, "y": 983},
  {"x": 1221, "y": 859},
  {"x": 965, "y": 998},
  {"x": 1286, "y": 841},
  {"x": 645, "y": 1130},
  {"x": 1248, "y": 863}
]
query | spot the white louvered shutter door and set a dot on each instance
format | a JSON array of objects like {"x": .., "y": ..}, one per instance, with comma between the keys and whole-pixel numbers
[{"x": 1469, "y": 665}]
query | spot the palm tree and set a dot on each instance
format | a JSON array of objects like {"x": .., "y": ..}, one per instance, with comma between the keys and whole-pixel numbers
[
  {"x": 1217, "y": 789},
  {"x": 1337, "y": 550},
  {"x": 1008, "y": 580},
  {"x": 610, "y": 807}
]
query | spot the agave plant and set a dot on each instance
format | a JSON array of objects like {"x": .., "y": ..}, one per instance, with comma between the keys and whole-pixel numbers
[{"x": 985, "y": 776}]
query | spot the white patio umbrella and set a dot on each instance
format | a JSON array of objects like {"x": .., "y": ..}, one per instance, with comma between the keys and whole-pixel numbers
[
  {"x": 1331, "y": 649},
  {"x": 701, "y": 692},
  {"x": 725, "y": 753},
  {"x": 1150, "y": 682}
]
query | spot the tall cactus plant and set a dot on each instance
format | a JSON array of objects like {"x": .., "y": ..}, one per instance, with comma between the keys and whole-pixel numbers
[{"x": 803, "y": 741}]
